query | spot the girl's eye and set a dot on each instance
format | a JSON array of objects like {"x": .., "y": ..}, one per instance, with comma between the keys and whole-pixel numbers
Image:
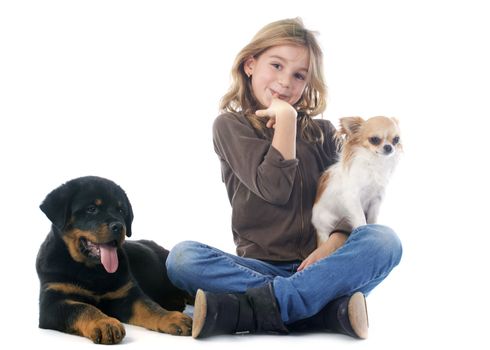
[
  {"x": 276, "y": 65},
  {"x": 299, "y": 76},
  {"x": 375, "y": 140},
  {"x": 91, "y": 209}
]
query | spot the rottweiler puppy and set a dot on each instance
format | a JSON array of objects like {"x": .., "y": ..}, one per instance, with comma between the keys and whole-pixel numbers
[{"x": 91, "y": 278}]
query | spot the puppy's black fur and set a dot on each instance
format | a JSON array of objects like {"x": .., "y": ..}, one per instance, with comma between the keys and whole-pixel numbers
[{"x": 91, "y": 278}]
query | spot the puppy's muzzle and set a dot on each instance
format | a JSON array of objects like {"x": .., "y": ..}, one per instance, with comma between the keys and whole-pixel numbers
[{"x": 116, "y": 228}]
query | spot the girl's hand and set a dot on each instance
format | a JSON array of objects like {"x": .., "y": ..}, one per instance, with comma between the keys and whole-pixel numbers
[
  {"x": 277, "y": 109},
  {"x": 335, "y": 241},
  {"x": 316, "y": 255}
]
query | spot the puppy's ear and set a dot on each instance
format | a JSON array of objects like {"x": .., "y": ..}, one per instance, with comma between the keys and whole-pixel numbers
[
  {"x": 350, "y": 125},
  {"x": 128, "y": 219},
  {"x": 56, "y": 205}
]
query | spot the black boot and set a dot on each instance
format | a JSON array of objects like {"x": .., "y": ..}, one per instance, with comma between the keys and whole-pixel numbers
[
  {"x": 255, "y": 311},
  {"x": 345, "y": 315}
]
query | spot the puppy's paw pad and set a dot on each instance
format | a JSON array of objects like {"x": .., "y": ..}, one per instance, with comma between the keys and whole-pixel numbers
[
  {"x": 176, "y": 323},
  {"x": 106, "y": 331}
]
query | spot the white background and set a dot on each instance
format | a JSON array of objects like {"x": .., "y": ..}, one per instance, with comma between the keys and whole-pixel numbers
[{"x": 129, "y": 89}]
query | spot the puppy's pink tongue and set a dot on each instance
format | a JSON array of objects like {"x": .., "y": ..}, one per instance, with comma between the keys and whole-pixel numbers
[{"x": 108, "y": 257}]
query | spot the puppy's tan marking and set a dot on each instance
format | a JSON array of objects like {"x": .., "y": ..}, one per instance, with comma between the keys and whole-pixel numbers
[
  {"x": 72, "y": 241},
  {"x": 150, "y": 315},
  {"x": 95, "y": 325},
  {"x": 68, "y": 288}
]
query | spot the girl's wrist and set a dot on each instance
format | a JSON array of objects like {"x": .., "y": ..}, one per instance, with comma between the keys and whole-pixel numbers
[
  {"x": 287, "y": 114},
  {"x": 337, "y": 239}
]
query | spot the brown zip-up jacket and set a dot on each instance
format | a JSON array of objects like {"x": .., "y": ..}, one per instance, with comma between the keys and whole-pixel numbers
[{"x": 271, "y": 198}]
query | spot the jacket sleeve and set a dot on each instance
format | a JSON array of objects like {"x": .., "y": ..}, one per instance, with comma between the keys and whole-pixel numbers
[
  {"x": 255, "y": 162},
  {"x": 330, "y": 146}
]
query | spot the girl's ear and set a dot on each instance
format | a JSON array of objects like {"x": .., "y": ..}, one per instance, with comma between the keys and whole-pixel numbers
[{"x": 249, "y": 66}]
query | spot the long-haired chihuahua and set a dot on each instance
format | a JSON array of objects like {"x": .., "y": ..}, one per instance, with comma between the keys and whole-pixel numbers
[{"x": 350, "y": 192}]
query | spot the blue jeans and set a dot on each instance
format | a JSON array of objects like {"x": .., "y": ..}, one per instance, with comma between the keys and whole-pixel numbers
[{"x": 365, "y": 259}]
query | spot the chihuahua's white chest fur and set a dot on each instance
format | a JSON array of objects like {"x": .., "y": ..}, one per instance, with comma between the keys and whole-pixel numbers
[{"x": 350, "y": 192}]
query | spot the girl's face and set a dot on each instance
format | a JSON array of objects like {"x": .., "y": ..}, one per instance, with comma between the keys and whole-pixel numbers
[{"x": 281, "y": 72}]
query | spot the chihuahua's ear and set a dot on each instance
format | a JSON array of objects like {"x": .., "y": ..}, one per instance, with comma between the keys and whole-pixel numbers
[
  {"x": 350, "y": 125},
  {"x": 397, "y": 122}
]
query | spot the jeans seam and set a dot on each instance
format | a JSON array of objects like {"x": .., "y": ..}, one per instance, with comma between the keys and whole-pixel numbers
[
  {"x": 246, "y": 269},
  {"x": 381, "y": 275}
]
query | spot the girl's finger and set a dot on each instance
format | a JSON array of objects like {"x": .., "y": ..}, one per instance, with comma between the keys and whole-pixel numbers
[
  {"x": 262, "y": 113},
  {"x": 304, "y": 264}
]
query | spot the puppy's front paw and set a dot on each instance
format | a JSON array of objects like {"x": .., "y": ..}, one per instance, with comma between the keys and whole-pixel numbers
[
  {"x": 175, "y": 323},
  {"x": 105, "y": 331}
]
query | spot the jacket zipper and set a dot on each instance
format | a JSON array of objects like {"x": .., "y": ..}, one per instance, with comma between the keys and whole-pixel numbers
[{"x": 301, "y": 214}]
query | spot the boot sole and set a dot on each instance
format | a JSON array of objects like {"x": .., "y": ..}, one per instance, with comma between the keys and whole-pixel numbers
[
  {"x": 358, "y": 315},
  {"x": 200, "y": 310}
]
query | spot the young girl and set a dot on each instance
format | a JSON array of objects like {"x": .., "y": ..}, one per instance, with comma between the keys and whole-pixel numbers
[{"x": 272, "y": 153}]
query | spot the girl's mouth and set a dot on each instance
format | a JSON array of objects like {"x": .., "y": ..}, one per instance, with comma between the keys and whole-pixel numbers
[{"x": 275, "y": 94}]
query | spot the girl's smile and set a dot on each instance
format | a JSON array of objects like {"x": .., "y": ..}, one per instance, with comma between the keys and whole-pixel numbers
[{"x": 278, "y": 95}]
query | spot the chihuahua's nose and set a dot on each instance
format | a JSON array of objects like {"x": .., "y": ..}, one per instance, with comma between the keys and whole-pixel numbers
[
  {"x": 387, "y": 149},
  {"x": 116, "y": 227}
]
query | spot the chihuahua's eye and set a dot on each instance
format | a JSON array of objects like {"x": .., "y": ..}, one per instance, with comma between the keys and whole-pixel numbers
[
  {"x": 92, "y": 209},
  {"x": 396, "y": 139},
  {"x": 375, "y": 140}
]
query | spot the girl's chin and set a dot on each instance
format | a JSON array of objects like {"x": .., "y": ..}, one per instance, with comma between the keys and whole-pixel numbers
[{"x": 265, "y": 103}]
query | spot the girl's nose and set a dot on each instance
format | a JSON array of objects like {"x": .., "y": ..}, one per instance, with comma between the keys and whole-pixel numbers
[{"x": 284, "y": 81}]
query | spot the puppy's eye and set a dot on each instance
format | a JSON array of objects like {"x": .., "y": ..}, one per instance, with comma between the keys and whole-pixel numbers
[
  {"x": 396, "y": 139},
  {"x": 375, "y": 140},
  {"x": 91, "y": 209},
  {"x": 121, "y": 210}
]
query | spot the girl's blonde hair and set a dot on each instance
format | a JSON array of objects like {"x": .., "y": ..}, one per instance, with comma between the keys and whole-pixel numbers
[{"x": 239, "y": 97}]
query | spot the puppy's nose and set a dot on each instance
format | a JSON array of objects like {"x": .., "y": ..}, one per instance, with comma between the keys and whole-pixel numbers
[
  {"x": 387, "y": 149},
  {"x": 116, "y": 227}
]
